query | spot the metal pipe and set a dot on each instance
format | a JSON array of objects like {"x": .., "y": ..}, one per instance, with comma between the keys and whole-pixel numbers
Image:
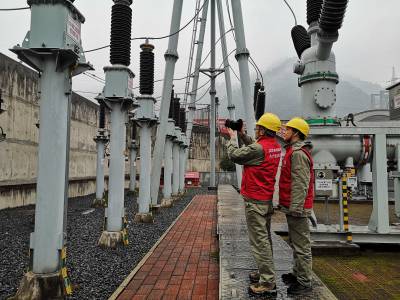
[
  {"x": 115, "y": 210},
  {"x": 145, "y": 167},
  {"x": 242, "y": 56},
  {"x": 171, "y": 56},
  {"x": 195, "y": 83},
  {"x": 175, "y": 172},
  {"x": 132, "y": 177},
  {"x": 100, "y": 143},
  {"x": 48, "y": 236},
  {"x": 167, "y": 191},
  {"x": 228, "y": 82}
]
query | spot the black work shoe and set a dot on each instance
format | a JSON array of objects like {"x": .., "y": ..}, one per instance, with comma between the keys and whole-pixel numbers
[
  {"x": 254, "y": 276},
  {"x": 263, "y": 289},
  {"x": 289, "y": 278},
  {"x": 298, "y": 289}
]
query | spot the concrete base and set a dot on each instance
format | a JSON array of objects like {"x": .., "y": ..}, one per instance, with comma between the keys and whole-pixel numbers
[
  {"x": 144, "y": 218},
  {"x": 98, "y": 203},
  {"x": 40, "y": 286},
  {"x": 335, "y": 248},
  {"x": 110, "y": 239},
  {"x": 175, "y": 197},
  {"x": 166, "y": 203},
  {"x": 155, "y": 209}
]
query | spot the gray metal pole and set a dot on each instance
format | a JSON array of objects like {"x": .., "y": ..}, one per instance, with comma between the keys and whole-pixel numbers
[
  {"x": 242, "y": 56},
  {"x": 171, "y": 56},
  {"x": 48, "y": 236},
  {"x": 341, "y": 213},
  {"x": 175, "y": 172},
  {"x": 228, "y": 82},
  {"x": 145, "y": 166},
  {"x": 100, "y": 144},
  {"x": 167, "y": 191},
  {"x": 212, "y": 96},
  {"x": 132, "y": 177},
  {"x": 115, "y": 209},
  {"x": 397, "y": 185},
  {"x": 379, "y": 220},
  {"x": 195, "y": 83}
]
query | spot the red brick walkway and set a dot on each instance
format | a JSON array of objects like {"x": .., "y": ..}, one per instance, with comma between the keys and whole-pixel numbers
[{"x": 184, "y": 264}]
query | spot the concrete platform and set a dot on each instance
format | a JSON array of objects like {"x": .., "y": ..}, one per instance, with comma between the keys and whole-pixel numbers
[{"x": 236, "y": 260}]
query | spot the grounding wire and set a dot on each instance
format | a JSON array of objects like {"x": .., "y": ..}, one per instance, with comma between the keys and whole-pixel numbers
[
  {"x": 159, "y": 37},
  {"x": 17, "y": 8},
  {"x": 294, "y": 16}
]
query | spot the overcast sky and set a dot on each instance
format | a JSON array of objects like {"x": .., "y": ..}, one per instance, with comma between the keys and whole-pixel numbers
[{"x": 368, "y": 45}]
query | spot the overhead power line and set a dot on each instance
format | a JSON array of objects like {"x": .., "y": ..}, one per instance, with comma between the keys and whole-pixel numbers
[
  {"x": 294, "y": 16},
  {"x": 17, "y": 8},
  {"x": 160, "y": 37}
]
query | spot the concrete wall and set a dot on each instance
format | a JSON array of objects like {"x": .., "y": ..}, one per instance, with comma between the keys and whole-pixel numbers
[{"x": 18, "y": 153}]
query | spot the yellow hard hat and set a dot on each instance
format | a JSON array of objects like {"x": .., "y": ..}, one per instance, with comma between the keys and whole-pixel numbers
[
  {"x": 270, "y": 121},
  {"x": 299, "y": 124}
]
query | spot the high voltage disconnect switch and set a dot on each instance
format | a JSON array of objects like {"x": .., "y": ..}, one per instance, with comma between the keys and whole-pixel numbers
[
  {"x": 118, "y": 97},
  {"x": 53, "y": 47}
]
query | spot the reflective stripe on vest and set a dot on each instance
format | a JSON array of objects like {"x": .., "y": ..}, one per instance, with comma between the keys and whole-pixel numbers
[{"x": 258, "y": 181}]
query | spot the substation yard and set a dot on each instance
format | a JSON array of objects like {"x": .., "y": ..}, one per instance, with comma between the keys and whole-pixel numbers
[
  {"x": 95, "y": 272},
  {"x": 374, "y": 273}
]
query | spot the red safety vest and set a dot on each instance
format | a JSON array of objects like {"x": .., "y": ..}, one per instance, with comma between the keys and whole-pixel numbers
[
  {"x": 258, "y": 181},
  {"x": 285, "y": 182}
]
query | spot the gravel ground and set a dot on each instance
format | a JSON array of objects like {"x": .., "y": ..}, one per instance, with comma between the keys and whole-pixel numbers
[{"x": 95, "y": 273}]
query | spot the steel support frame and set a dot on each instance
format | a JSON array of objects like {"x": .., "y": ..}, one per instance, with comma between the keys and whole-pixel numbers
[
  {"x": 175, "y": 169},
  {"x": 397, "y": 184},
  {"x": 116, "y": 184},
  {"x": 144, "y": 199},
  {"x": 242, "y": 56},
  {"x": 132, "y": 166},
  {"x": 171, "y": 56},
  {"x": 53, "y": 161},
  {"x": 228, "y": 82},
  {"x": 100, "y": 146},
  {"x": 168, "y": 167}
]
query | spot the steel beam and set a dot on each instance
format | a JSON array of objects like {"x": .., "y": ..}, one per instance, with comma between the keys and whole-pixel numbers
[
  {"x": 167, "y": 190},
  {"x": 171, "y": 56},
  {"x": 100, "y": 145},
  {"x": 145, "y": 167}
]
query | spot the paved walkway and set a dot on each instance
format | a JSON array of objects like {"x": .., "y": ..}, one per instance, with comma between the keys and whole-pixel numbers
[
  {"x": 236, "y": 260},
  {"x": 184, "y": 264}
]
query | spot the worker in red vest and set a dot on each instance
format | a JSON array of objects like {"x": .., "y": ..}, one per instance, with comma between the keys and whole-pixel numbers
[
  {"x": 260, "y": 159},
  {"x": 296, "y": 196}
]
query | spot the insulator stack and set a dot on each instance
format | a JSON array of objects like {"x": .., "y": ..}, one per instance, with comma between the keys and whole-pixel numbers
[
  {"x": 260, "y": 108},
  {"x": 301, "y": 39},
  {"x": 147, "y": 69},
  {"x": 102, "y": 116},
  {"x": 257, "y": 87},
  {"x": 332, "y": 15},
  {"x": 133, "y": 129},
  {"x": 313, "y": 10},
  {"x": 176, "y": 110},
  {"x": 171, "y": 105},
  {"x": 121, "y": 23},
  {"x": 182, "y": 119}
]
